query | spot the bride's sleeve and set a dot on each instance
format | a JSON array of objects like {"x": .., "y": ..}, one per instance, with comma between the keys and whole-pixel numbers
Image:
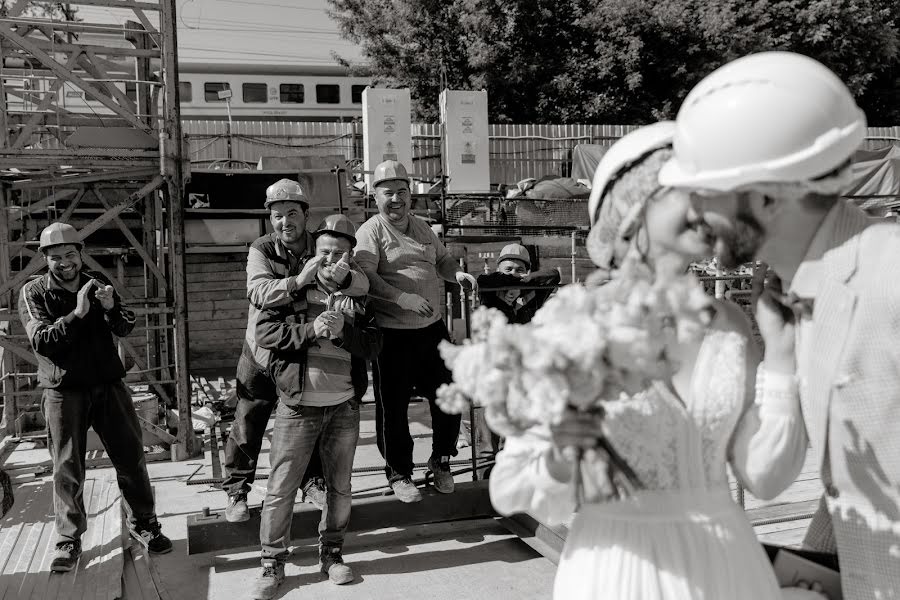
[
  {"x": 769, "y": 444},
  {"x": 527, "y": 479}
]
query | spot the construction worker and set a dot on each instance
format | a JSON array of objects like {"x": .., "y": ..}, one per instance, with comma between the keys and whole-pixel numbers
[
  {"x": 70, "y": 316},
  {"x": 765, "y": 144},
  {"x": 514, "y": 269},
  {"x": 405, "y": 261},
  {"x": 279, "y": 264},
  {"x": 320, "y": 344}
]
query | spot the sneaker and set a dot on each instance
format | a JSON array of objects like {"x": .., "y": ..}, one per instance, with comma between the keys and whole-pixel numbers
[
  {"x": 314, "y": 492},
  {"x": 266, "y": 585},
  {"x": 406, "y": 491},
  {"x": 331, "y": 563},
  {"x": 440, "y": 469},
  {"x": 237, "y": 511},
  {"x": 66, "y": 558},
  {"x": 149, "y": 535}
]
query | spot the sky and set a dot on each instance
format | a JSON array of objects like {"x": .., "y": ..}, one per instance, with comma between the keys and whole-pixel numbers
[{"x": 294, "y": 32}]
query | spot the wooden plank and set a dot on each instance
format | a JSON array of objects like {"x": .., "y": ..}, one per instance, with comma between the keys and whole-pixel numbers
[
  {"x": 220, "y": 277},
  {"x": 217, "y": 325},
  {"x": 152, "y": 6},
  {"x": 140, "y": 562},
  {"x": 218, "y": 315},
  {"x": 36, "y": 585}
]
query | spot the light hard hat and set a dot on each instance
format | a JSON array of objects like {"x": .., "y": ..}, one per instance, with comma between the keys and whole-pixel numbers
[
  {"x": 628, "y": 151},
  {"x": 285, "y": 190},
  {"x": 389, "y": 170},
  {"x": 515, "y": 252},
  {"x": 338, "y": 225},
  {"x": 56, "y": 234},
  {"x": 765, "y": 118}
]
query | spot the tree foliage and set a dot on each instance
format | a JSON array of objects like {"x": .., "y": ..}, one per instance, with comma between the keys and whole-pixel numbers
[
  {"x": 52, "y": 10},
  {"x": 613, "y": 61}
]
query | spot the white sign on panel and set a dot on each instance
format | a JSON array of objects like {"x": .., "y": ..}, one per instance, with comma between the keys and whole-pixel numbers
[
  {"x": 465, "y": 118},
  {"x": 386, "y": 128}
]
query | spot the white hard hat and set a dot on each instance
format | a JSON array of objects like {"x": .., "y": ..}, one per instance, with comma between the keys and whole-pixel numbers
[
  {"x": 515, "y": 252},
  {"x": 285, "y": 190},
  {"x": 57, "y": 234},
  {"x": 767, "y": 117},
  {"x": 629, "y": 150},
  {"x": 389, "y": 170}
]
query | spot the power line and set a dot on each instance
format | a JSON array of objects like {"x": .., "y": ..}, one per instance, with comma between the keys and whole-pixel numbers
[
  {"x": 288, "y": 6},
  {"x": 267, "y": 25},
  {"x": 268, "y": 54}
]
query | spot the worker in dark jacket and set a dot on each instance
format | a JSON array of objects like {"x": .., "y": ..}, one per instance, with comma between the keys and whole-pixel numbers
[
  {"x": 320, "y": 344},
  {"x": 514, "y": 269},
  {"x": 70, "y": 316}
]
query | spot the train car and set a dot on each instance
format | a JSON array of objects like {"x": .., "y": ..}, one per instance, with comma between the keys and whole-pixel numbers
[
  {"x": 303, "y": 93},
  {"x": 258, "y": 93}
]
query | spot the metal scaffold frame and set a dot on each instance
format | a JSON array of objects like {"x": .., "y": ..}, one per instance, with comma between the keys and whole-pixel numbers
[{"x": 116, "y": 173}]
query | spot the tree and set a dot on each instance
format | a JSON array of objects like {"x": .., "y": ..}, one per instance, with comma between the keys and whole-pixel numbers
[
  {"x": 53, "y": 10},
  {"x": 613, "y": 61}
]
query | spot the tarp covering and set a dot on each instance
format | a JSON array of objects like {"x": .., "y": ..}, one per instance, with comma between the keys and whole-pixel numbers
[
  {"x": 585, "y": 158},
  {"x": 876, "y": 174}
]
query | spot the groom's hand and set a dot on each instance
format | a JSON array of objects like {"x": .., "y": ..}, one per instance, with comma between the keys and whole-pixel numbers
[{"x": 775, "y": 320}]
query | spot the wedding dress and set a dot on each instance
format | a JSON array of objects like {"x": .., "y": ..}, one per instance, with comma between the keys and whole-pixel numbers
[{"x": 683, "y": 537}]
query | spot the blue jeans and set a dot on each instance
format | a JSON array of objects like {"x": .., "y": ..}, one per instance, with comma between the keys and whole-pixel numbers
[
  {"x": 297, "y": 428},
  {"x": 257, "y": 398}
]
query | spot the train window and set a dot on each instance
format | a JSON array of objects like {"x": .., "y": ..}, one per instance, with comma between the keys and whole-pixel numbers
[
  {"x": 131, "y": 90},
  {"x": 356, "y": 93},
  {"x": 328, "y": 94},
  {"x": 255, "y": 92},
  {"x": 291, "y": 93},
  {"x": 185, "y": 91},
  {"x": 211, "y": 90}
]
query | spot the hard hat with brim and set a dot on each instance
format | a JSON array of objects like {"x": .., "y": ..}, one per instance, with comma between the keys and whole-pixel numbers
[
  {"x": 515, "y": 252},
  {"x": 772, "y": 117},
  {"x": 58, "y": 234},
  {"x": 285, "y": 190},
  {"x": 627, "y": 152},
  {"x": 338, "y": 225},
  {"x": 389, "y": 170}
]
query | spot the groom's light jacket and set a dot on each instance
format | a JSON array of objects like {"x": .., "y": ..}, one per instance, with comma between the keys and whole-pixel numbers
[{"x": 849, "y": 374}]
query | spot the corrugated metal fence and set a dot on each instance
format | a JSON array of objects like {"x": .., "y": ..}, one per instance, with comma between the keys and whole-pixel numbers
[{"x": 516, "y": 151}]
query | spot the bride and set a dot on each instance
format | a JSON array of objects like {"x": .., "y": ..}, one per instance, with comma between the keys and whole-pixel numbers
[{"x": 682, "y": 537}]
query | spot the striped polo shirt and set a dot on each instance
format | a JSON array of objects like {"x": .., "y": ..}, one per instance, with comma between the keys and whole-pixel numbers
[{"x": 327, "y": 381}]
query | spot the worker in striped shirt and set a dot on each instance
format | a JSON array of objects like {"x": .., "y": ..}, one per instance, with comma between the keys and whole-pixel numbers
[
  {"x": 320, "y": 344},
  {"x": 405, "y": 263}
]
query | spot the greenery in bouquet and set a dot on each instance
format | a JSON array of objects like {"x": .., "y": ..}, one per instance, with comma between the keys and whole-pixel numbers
[{"x": 588, "y": 344}]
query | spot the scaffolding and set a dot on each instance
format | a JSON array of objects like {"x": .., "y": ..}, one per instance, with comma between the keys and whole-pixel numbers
[{"x": 90, "y": 134}]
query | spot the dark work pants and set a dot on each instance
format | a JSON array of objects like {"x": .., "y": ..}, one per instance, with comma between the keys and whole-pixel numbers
[
  {"x": 257, "y": 397},
  {"x": 109, "y": 410},
  {"x": 410, "y": 358}
]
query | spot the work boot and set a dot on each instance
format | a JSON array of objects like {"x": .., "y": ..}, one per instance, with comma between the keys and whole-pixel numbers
[
  {"x": 66, "y": 557},
  {"x": 149, "y": 535},
  {"x": 237, "y": 511},
  {"x": 405, "y": 490},
  {"x": 440, "y": 470},
  {"x": 331, "y": 563},
  {"x": 266, "y": 585},
  {"x": 314, "y": 492}
]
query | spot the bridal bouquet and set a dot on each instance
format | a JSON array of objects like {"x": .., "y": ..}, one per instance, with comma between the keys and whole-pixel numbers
[{"x": 588, "y": 344}]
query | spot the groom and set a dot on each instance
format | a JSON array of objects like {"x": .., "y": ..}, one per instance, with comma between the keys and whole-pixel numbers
[{"x": 765, "y": 143}]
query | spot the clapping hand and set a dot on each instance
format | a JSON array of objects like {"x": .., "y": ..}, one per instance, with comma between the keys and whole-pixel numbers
[
  {"x": 307, "y": 275},
  {"x": 106, "y": 294},
  {"x": 83, "y": 305},
  {"x": 329, "y": 325}
]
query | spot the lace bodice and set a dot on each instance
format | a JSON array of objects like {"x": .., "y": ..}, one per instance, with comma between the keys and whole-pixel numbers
[{"x": 675, "y": 445}]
